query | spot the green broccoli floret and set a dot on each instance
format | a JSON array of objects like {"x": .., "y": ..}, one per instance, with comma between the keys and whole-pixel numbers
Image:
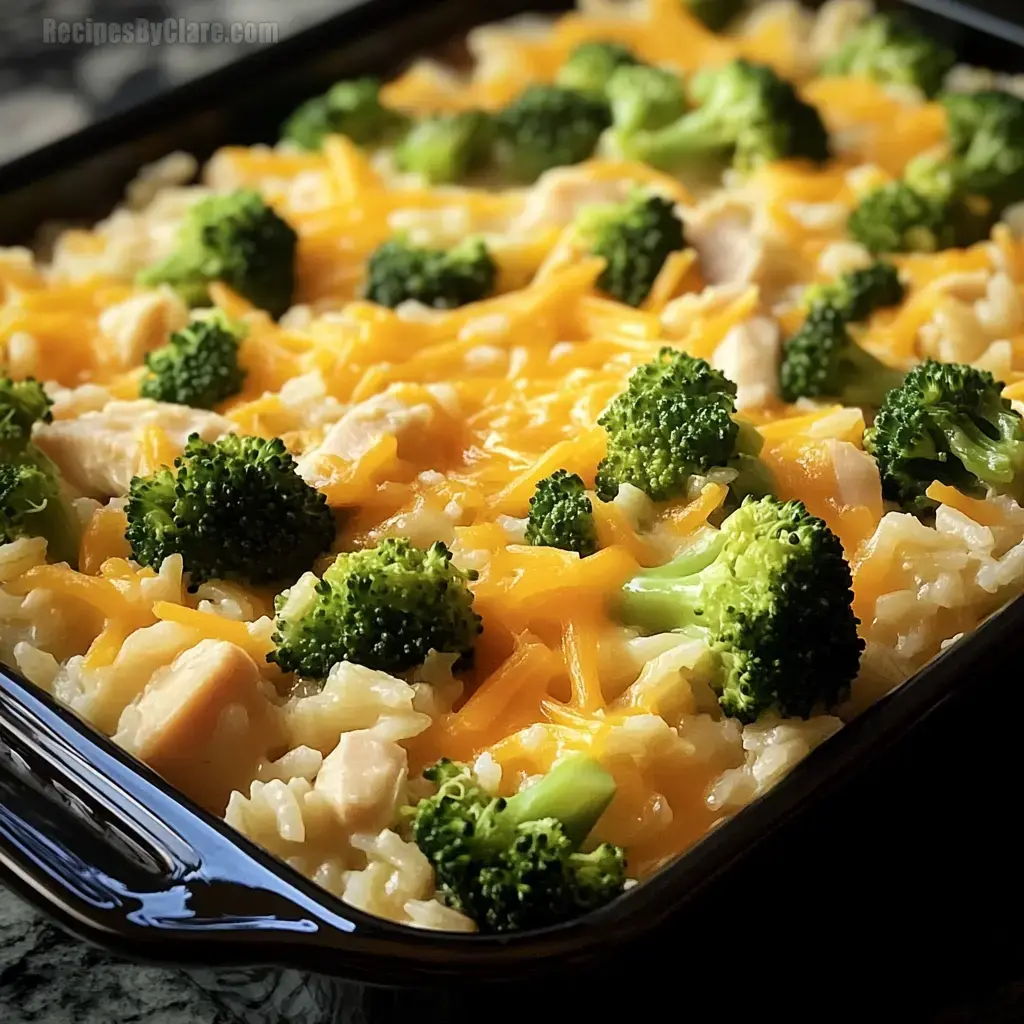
[
  {"x": 233, "y": 509},
  {"x": 348, "y": 108},
  {"x": 982, "y": 170},
  {"x": 898, "y": 218},
  {"x": 675, "y": 420},
  {"x": 441, "y": 278},
  {"x": 547, "y": 126},
  {"x": 448, "y": 147},
  {"x": 747, "y": 113},
  {"x": 235, "y": 238},
  {"x": 198, "y": 366},
  {"x": 634, "y": 238},
  {"x": 643, "y": 98},
  {"x": 32, "y": 498},
  {"x": 889, "y": 49},
  {"x": 561, "y": 515},
  {"x": 822, "y": 361},
  {"x": 512, "y": 864},
  {"x": 23, "y": 403},
  {"x": 33, "y": 505},
  {"x": 986, "y": 145},
  {"x": 770, "y": 594},
  {"x": 386, "y": 608},
  {"x": 947, "y": 422},
  {"x": 715, "y": 14},
  {"x": 590, "y": 65},
  {"x": 858, "y": 293}
]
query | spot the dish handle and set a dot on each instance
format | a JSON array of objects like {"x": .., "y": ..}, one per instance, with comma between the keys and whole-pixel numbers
[{"x": 95, "y": 839}]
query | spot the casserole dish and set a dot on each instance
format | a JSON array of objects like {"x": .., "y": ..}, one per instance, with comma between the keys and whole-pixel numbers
[{"x": 138, "y": 867}]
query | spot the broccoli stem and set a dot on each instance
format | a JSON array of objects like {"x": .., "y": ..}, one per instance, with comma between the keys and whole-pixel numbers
[
  {"x": 993, "y": 460},
  {"x": 693, "y": 137},
  {"x": 663, "y": 598},
  {"x": 866, "y": 380},
  {"x": 754, "y": 478},
  {"x": 576, "y": 792}
]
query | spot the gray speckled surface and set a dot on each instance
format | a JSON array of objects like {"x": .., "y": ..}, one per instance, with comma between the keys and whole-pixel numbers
[{"x": 47, "y": 977}]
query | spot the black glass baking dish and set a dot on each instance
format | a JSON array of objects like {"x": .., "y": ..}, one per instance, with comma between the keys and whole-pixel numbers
[{"x": 882, "y": 852}]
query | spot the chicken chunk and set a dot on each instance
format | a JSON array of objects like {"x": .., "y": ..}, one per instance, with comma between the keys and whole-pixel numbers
[
  {"x": 100, "y": 452},
  {"x": 205, "y": 722},
  {"x": 749, "y": 356},
  {"x": 736, "y": 244},
  {"x": 561, "y": 193},
  {"x": 858, "y": 484},
  {"x": 140, "y": 324},
  {"x": 361, "y": 427},
  {"x": 363, "y": 779},
  {"x": 109, "y": 690}
]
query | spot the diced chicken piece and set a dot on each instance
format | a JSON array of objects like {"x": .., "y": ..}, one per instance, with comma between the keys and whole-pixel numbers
[
  {"x": 108, "y": 691},
  {"x": 857, "y": 481},
  {"x": 140, "y": 324},
  {"x": 204, "y": 723},
  {"x": 362, "y": 427},
  {"x": 1001, "y": 311},
  {"x": 735, "y": 244},
  {"x": 561, "y": 193},
  {"x": 749, "y": 356},
  {"x": 363, "y": 779},
  {"x": 99, "y": 452},
  {"x": 71, "y": 402}
]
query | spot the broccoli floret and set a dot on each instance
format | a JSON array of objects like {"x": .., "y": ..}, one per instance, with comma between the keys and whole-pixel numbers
[
  {"x": 448, "y": 147},
  {"x": 858, "y": 293},
  {"x": 561, "y": 515},
  {"x": 889, "y": 49},
  {"x": 441, "y": 278},
  {"x": 634, "y": 238},
  {"x": 947, "y": 422},
  {"x": 348, "y": 108},
  {"x": 747, "y": 113},
  {"x": 386, "y": 608},
  {"x": 643, "y": 98},
  {"x": 235, "y": 238},
  {"x": 590, "y": 65},
  {"x": 32, "y": 500},
  {"x": 674, "y": 420},
  {"x": 198, "y": 366},
  {"x": 515, "y": 863},
  {"x": 822, "y": 361},
  {"x": 770, "y": 593},
  {"x": 547, "y": 126},
  {"x": 898, "y": 218},
  {"x": 23, "y": 403},
  {"x": 715, "y": 14},
  {"x": 32, "y": 505},
  {"x": 233, "y": 509},
  {"x": 986, "y": 145}
]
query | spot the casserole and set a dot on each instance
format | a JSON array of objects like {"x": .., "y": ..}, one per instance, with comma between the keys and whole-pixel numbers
[{"x": 369, "y": 936}]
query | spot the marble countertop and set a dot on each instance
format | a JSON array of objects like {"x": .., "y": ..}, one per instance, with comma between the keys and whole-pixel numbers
[{"x": 47, "y": 977}]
